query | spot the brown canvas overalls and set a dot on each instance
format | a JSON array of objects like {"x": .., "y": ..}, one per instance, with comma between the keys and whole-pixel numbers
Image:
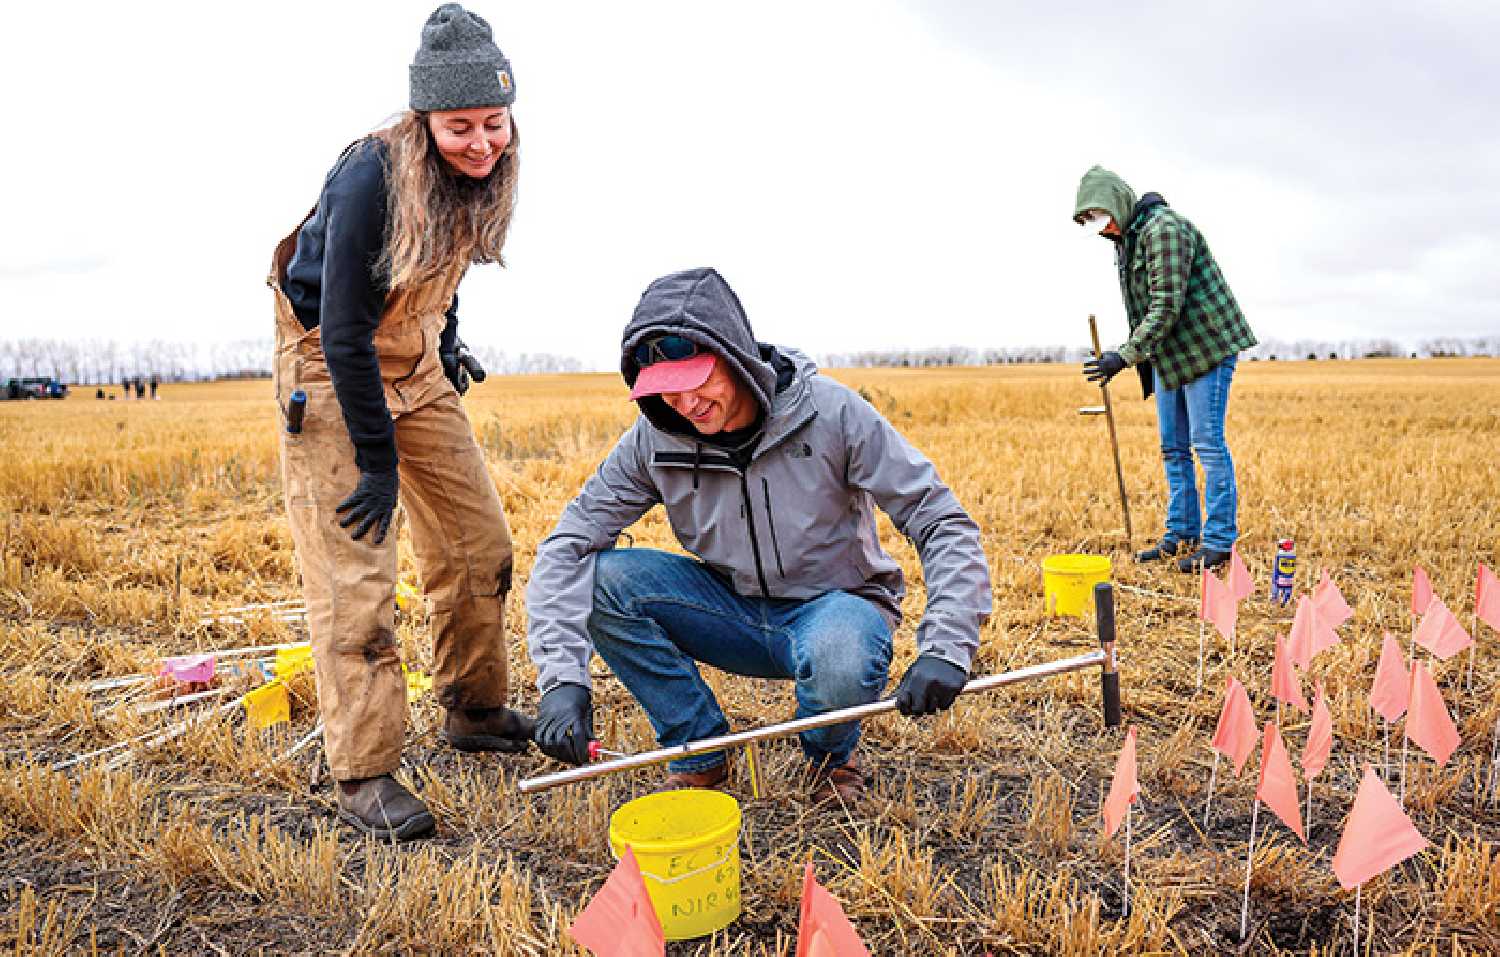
[{"x": 458, "y": 529}]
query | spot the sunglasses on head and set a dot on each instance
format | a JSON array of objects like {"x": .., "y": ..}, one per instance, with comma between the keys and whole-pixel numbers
[{"x": 664, "y": 349}]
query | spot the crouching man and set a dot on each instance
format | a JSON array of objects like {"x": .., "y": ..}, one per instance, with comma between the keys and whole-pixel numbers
[{"x": 768, "y": 473}]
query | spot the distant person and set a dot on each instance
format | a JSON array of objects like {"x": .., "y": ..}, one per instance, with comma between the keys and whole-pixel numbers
[
  {"x": 770, "y": 474},
  {"x": 1186, "y": 334},
  {"x": 154, "y": 383},
  {"x": 99, "y": 393},
  {"x": 125, "y": 387},
  {"x": 140, "y": 387},
  {"x": 366, "y": 326}
]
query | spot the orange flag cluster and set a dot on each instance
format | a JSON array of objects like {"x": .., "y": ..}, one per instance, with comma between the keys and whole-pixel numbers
[
  {"x": 1378, "y": 834},
  {"x": 621, "y": 922}
]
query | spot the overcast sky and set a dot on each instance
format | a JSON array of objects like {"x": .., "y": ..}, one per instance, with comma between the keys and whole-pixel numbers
[{"x": 867, "y": 174}]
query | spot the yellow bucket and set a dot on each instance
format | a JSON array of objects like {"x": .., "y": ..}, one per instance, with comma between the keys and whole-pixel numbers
[
  {"x": 1068, "y": 583},
  {"x": 688, "y": 846}
]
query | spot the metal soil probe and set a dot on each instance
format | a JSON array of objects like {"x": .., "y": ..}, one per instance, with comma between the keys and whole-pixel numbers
[
  {"x": 1114, "y": 440},
  {"x": 1104, "y": 659}
]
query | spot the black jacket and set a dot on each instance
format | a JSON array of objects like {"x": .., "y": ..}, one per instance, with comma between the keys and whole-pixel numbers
[{"x": 334, "y": 281}]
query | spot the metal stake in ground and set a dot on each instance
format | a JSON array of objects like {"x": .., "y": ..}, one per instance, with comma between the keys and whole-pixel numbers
[{"x": 1114, "y": 440}]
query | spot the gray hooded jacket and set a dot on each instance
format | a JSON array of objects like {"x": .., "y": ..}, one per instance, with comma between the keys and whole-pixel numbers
[{"x": 796, "y": 522}]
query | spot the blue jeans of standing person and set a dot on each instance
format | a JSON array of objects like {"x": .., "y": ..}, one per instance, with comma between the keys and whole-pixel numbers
[
  {"x": 657, "y": 615},
  {"x": 1191, "y": 419}
]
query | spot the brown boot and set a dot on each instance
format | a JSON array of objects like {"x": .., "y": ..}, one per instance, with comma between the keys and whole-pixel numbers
[
  {"x": 713, "y": 777},
  {"x": 488, "y": 729},
  {"x": 382, "y": 807},
  {"x": 841, "y": 785}
]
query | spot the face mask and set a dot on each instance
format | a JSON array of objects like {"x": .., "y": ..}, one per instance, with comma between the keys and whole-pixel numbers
[{"x": 1096, "y": 222}]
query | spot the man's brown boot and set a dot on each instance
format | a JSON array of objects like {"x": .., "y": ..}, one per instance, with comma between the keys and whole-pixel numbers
[
  {"x": 841, "y": 785},
  {"x": 707, "y": 778},
  {"x": 488, "y": 729},
  {"x": 382, "y": 807}
]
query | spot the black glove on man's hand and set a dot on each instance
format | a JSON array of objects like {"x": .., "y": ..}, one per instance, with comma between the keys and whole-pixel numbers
[
  {"x": 371, "y": 504},
  {"x": 930, "y": 685},
  {"x": 460, "y": 365},
  {"x": 1104, "y": 368},
  {"x": 565, "y": 724}
]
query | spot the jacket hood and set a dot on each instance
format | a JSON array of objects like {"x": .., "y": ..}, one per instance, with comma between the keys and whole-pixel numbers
[
  {"x": 1101, "y": 189},
  {"x": 697, "y": 304},
  {"x": 1147, "y": 203}
]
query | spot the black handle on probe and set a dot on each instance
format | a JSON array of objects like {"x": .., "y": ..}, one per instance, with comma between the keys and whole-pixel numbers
[{"x": 1104, "y": 615}]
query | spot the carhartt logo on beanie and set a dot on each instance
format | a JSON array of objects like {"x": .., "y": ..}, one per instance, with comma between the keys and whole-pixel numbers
[{"x": 458, "y": 66}]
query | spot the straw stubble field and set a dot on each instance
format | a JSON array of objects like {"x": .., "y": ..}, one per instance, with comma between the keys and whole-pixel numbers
[{"x": 124, "y": 524}]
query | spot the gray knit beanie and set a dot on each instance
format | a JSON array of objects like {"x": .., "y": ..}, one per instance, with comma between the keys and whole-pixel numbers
[{"x": 458, "y": 66}]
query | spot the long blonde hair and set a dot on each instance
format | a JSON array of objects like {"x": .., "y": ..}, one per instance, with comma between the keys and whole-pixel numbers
[{"x": 438, "y": 220}]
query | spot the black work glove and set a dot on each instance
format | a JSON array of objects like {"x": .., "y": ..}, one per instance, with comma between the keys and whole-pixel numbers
[
  {"x": 930, "y": 685},
  {"x": 1104, "y": 368},
  {"x": 565, "y": 724},
  {"x": 371, "y": 504},
  {"x": 460, "y": 365}
]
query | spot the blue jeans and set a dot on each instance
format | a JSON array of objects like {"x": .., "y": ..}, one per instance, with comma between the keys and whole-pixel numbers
[
  {"x": 656, "y": 615},
  {"x": 1191, "y": 419}
]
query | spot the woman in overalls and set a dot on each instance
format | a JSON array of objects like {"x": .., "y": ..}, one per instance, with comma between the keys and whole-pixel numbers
[{"x": 366, "y": 327}]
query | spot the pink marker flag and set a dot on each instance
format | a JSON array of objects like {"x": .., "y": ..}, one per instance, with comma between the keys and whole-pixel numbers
[
  {"x": 1218, "y": 605},
  {"x": 1285, "y": 685},
  {"x": 1240, "y": 581},
  {"x": 823, "y": 929},
  {"x": 1421, "y": 591},
  {"x": 1487, "y": 597},
  {"x": 620, "y": 921},
  {"x": 1124, "y": 787},
  {"x": 1440, "y": 632},
  {"x": 1392, "y": 689},
  {"x": 188, "y": 669},
  {"x": 1330, "y": 602},
  {"x": 1311, "y": 634},
  {"x": 1278, "y": 782},
  {"x": 1377, "y": 836},
  {"x": 1235, "y": 735},
  {"x": 1319, "y": 738},
  {"x": 1428, "y": 724}
]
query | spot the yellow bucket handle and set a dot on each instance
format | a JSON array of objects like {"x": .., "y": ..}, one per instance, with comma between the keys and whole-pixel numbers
[{"x": 682, "y": 877}]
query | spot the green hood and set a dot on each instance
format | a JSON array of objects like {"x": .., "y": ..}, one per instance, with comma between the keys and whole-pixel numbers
[{"x": 1101, "y": 189}]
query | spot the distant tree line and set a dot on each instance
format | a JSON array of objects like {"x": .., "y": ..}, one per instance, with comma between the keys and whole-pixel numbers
[
  {"x": 1271, "y": 350},
  {"x": 106, "y": 361}
]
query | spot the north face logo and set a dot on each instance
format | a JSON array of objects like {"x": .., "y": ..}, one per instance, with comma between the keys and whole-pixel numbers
[{"x": 800, "y": 450}]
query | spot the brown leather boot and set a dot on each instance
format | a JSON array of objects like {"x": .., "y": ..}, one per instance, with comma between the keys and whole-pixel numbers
[
  {"x": 841, "y": 785},
  {"x": 488, "y": 729},
  {"x": 713, "y": 777},
  {"x": 383, "y": 807}
]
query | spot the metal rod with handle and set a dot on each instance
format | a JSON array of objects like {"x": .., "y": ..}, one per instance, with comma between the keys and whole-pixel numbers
[
  {"x": 1103, "y": 657},
  {"x": 1114, "y": 440}
]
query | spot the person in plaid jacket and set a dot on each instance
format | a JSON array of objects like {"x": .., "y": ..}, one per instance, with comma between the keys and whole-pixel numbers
[{"x": 1186, "y": 333}]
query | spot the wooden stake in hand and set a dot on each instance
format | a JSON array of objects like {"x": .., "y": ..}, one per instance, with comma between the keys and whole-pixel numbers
[{"x": 1114, "y": 440}]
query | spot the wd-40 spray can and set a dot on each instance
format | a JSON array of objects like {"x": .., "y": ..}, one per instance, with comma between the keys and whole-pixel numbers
[{"x": 1283, "y": 571}]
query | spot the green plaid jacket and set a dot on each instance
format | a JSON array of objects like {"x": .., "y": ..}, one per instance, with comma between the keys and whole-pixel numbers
[{"x": 1183, "y": 317}]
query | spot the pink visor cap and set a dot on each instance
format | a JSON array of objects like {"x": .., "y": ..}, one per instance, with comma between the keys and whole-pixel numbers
[{"x": 684, "y": 375}]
